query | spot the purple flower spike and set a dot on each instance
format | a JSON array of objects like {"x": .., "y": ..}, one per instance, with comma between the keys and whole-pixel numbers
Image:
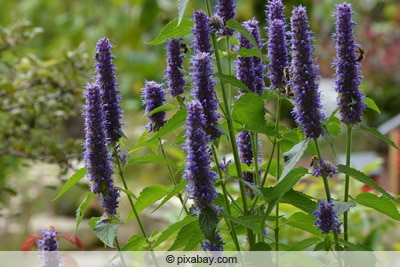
[
  {"x": 348, "y": 74},
  {"x": 153, "y": 97},
  {"x": 226, "y": 10},
  {"x": 201, "y": 32},
  {"x": 307, "y": 110},
  {"x": 209, "y": 246},
  {"x": 274, "y": 10},
  {"x": 97, "y": 158},
  {"x": 204, "y": 91},
  {"x": 326, "y": 218},
  {"x": 174, "y": 75},
  {"x": 110, "y": 95},
  {"x": 198, "y": 172},
  {"x": 324, "y": 168},
  {"x": 48, "y": 246},
  {"x": 250, "y": 70}
]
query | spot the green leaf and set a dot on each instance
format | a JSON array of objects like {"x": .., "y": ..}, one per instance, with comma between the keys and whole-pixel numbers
[
  {"x": 149, "y": 195},
  {"x": 135, "y": 243},
  {"x": 150, "y": 158},
  {"x": 176, "y": 28},
  {"x": 181, "y": 9},
  {"x": 249, "y": 110},
  {"x": 304, "y": 244},
  {"x": 173, "y": 228},
  {"x": 284, "y": 186},
  {"x": 230, "y": 79},
  {"x": 177, "y": 120},
  {"x": 380, "y": 136},
  {"x": 76, "y": 177},
  {"x": 364, "y": 179},
  {"x": 304, "y": 222},
  {"x": 189, "y": 235},
  {"x": 293, "y": 156},
  {"x": 104, "y": 230},
  {"x": 172, "y": 191},
  {"x": 380, "y": 204},
  {"x": 80, "y": 212},
  {"x": 165, "y": 107},
  {"x": 342, "y": 207},
  {"x": 208, "y": 221},
  {"x": 241, "y": 221},
  {"x": 371, "y": 104},
  {"x": 299, "y": 200}
]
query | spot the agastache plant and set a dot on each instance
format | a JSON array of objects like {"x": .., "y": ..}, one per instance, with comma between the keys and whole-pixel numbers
[
  {"x": 201, "y": 32},
  {"x": 48, "y": 245},
  {"x": 307, "y": 110},
  {"x": 326, "y": 218},
  {"x": 153, "y": 97},
  {"x": 173, "y": 73},
  {"x": 110, "y": 95},
  {"x": 96, "y": 155},
  {"x": 226, "y": 10}
]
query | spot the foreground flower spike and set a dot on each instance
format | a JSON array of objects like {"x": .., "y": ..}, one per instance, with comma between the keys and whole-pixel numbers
[
  {"x": 50, "y": 256},
  {"x": 277, "y": 44},
  {"x": 226, "y": 10},
  {"x": 198, "y": 171},
  {"x": 307, "y": 110},
  {"x": 96, "y": 156},
  {"x": 326, "y": 218},
  {"x": 173, "y": 73},
  {"x": 110, "y": 95},
  {"x": 201, "y": 32},
  {"x": 348, "y": 75},
  {"x": 204, "y": 91},
  {"x": 153, "y": 97}
]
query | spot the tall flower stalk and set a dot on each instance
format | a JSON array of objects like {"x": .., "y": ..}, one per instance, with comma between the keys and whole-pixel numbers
[
  {"x": 226, "y": 10},
  {"x": 173, "y": 73},
  {"x": 347, "y": 82}
]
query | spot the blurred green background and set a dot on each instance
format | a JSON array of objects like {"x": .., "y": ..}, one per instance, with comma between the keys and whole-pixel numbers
[{"x": 46, "y": 58}]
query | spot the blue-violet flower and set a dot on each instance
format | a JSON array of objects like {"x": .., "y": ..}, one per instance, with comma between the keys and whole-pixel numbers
[
  {"x": 226, "y": 10},
  {"x": 324, "y": 168},
  {"x": 48, "y": 246},
  {"x": 201, "y": 32},
  {"x": 326, "y": 218},
  {"x": 307, "y": 110},
  {"x": 348, "y": 74},
  {"x": 173, "y": 73},
  {"x": 111, "y": 98},
  {"x": 153, "y": 97}
]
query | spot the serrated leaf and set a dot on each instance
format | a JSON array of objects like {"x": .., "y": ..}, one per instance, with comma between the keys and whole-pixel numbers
[
  {"x": 304, "y": 222},
  {"x": 304, "y": 244},
  {"x": 371, "y": 104},
  {"x": 208, "y": 221},
  {"x": 172, "y": 191},
  {"x": 173, "y": 228},
  {"x": 176, "y": 28},
  {"x": 249, "y": 110},
  {"x": 363, "y": 178},
  {"x": 241, "y": 221},
  {"x": 293, "y": 156},
  {"x": 135, "y": 243},
  {"x": 181, "y": 9},
  {"x": 104, "y": 230},
  {"x": 80, "y": 212},
  {"x": 149, "y": 196},
  {"x": 341, "y": 207},
  {"x": 186, "y": 235},
  {"x": 150, "y": 158},
  {"x": 379, "y": 135},
  {"x": 165, "y": 107},
  {"x": 177, "y": 120},
  {"x": 76, "y": 177},
  {"x": 299, "y": 200},
  {"x": 230, "y": 79},
  {"x": 380, "y": 204}
]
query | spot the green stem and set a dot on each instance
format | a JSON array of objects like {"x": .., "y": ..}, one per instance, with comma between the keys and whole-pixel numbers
[
  {"x": 119, "y": 251},
  {"x": 347, "y": 182},
  {"x": 231, "y": 131},
  {"x": 171, "y": 175},
  {"x": 278, "y": 156},
  {"x": 230, "y": 224}
]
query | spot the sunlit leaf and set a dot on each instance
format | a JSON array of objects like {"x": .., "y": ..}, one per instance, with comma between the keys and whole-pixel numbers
[
  {"x": 176, "y": 28},
  {"x": 76, "y": 177},
  {"x": 380, "y": 204}
]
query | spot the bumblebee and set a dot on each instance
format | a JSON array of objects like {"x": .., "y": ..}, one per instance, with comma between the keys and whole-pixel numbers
[
  {"x": 286, "y": 79},
  {"x": 185, "y": 47},
  {"x": 314, "y": 162},
  {"x": 288, "y": 90},
  {"x": 360, "y": 54}
]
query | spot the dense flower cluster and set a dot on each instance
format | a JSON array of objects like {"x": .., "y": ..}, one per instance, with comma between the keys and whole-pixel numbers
[
  {"x": 307, "y": 110},
  {"x": 173, "y": 73},
  {"x": 226, "y": 10},
  {"x": 96, "y": 156},
  {"x": 204, "y": 91},
  {"x": 348, "y": 75},
  {"x": 48, "y": 244},
  {"x": 324, "y": 168},
  {"x": 201, "y": 32},
  {"x": 153, "y": 97},
  {"x": 277, "y": 44},
  {"x": 326, "y": 218},
  {"x": 111, "y": 98}
]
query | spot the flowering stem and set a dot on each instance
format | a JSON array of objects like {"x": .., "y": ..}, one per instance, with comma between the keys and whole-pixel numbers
[
  {"x": 119, "y": 250},
  {"x": 231, "y": 131},
  {"x": 230, "y": 224},
  {"x": 171, "y": 175},
  {"x": 347, "y": 181},
  {"x": 276, "y": 142}
]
